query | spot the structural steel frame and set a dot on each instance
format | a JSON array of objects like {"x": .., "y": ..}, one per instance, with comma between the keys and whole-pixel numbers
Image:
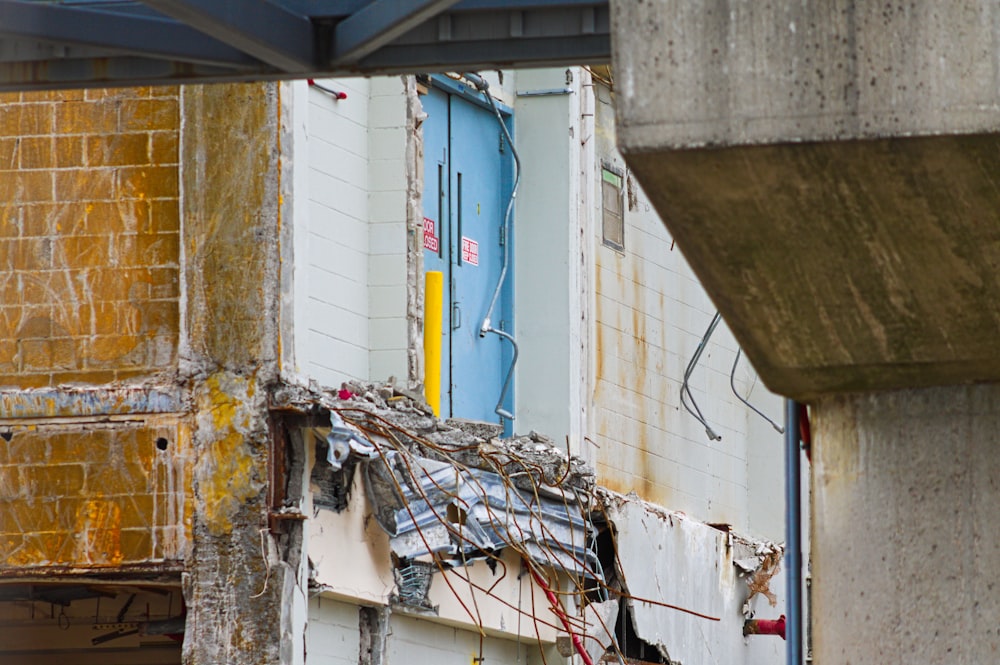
[{"x": 48, "y": 44}]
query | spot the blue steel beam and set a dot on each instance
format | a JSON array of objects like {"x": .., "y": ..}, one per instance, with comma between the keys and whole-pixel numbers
[
  {"x": 379, "y": 23},
  {"x": 265, "y": 30},
  {"x": 447, "y": 56},
  {"x": 71, "y": 25}
]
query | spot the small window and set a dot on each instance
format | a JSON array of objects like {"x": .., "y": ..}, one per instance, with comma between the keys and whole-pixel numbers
[{"x": 613, "y": 219}]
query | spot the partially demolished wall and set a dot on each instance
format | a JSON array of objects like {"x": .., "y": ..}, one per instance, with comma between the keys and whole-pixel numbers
[{"x": 444, "y": 519}]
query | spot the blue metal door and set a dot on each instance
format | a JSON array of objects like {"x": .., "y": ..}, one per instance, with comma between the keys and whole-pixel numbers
[{"x": 467, "y": 173}]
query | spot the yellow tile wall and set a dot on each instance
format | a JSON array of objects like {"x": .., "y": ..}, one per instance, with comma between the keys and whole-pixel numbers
[
  {"x": 93, "y": 495},
  {"x": 89, "y": 235}
]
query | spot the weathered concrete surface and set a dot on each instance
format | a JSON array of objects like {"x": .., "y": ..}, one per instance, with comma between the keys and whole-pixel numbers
[
  {"x": 732, "y": 72},
  {"x": 671, "y": 558},
  {"x": 905, "y": 545},
  {"x": 829, "y": 171},
  {"x": 229, "y": 348}
]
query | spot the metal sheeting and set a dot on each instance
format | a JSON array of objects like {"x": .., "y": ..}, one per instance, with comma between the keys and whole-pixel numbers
[{"x": 436, "y": 507}]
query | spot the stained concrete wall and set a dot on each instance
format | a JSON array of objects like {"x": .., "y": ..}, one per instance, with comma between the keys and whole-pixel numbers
[
  {"x": 905, "y": 544},
  {"x": 649, "y": 315},
  {"x": 829, "y": 169},
  {"x": 234, "y": 586}
]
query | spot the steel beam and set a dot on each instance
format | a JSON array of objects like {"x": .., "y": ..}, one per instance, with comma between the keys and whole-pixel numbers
[
  {"x": 379, "y": 23},
  {"x": 265, "y": 30},
  {"x": 447, "y": 56},
  {"x": 114, "y": 33}
]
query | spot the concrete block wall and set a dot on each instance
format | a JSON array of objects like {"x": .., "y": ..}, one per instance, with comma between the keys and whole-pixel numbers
[
  {"x": 350, "y": 303},
  {"x": 89, "y": 235},
  {"x": 334, "y": 307},
  {"x": 333, "y": 637},
  {"x": 332, "y": 633},
  {"x": 649, "y": 314},
  {"x": 387, "y": 229}
]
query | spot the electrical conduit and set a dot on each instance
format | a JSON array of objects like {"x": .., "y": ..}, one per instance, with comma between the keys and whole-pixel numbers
[{"x": 487, "y": 325}]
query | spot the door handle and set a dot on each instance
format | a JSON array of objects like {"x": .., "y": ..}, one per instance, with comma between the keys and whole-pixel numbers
[{"x": 456, "y": 316}]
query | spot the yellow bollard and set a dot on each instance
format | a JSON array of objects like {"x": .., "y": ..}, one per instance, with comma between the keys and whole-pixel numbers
[{"x": 433, "y": 316}]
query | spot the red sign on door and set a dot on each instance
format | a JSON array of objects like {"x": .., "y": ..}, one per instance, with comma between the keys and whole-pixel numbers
[
  {"x": 430, "y": 238},
  {"x": 470, "y": 251}
]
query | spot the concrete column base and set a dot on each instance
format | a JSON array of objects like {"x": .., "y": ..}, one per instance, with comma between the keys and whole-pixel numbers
[{"x": 906, "y": 527}]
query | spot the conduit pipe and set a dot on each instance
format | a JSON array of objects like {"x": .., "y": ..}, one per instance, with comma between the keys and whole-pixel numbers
[
  {"x": 487, "y": 325},
  {"x": 765, "y": 627},
  {"x": 793, "y": 534}
]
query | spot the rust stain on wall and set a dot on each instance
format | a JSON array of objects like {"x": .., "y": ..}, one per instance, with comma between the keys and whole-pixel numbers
[
  {"x": 229, "y": 472},
  {"x": 95, "y": 495}
]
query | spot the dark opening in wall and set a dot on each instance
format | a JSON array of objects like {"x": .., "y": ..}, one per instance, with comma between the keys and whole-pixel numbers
[
  {"x": 331, "y": 488},
  {"x": 633, "y": 646}
]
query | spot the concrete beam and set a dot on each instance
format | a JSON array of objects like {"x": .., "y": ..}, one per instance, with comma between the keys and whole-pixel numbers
[{"x": 830, "y": 170}]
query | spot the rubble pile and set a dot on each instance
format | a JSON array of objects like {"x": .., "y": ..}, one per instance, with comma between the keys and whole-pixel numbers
[{"x": 532, "y": 462}]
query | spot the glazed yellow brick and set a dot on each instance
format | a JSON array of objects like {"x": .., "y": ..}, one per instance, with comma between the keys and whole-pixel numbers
[
  {"x": 88, "y": 276},
  {"x": 89, "y": 184},
  {"x": 83, "y": 117},
  {"x": 149, "y": 182},
  {"x": 36, "y": 152},
  {"x": 164, "y": 216},
  {"x": 25, "y": 186},
  {"x": 149, "y": 114},
  {"x": 52, "y": 480},
  {"x": 18, "y": 120},
  {"x": 116, "y": 217},
  {"x": 69, "y": 151},
  {"x": 101, "y": 496},
  {"x": 80, "y": 376},
  {"x": 165, "y": 147},
  {"x": 118, "y": 149}
]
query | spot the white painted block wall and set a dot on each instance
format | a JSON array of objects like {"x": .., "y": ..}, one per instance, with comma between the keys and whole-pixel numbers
[
  {"x": 649, "y": 315},
  {"x": 332, "y": 633},
  {"x": 387, "y": 229},
  {"x": 349, "y": 301},
  {"x": 333, "y": 638}
]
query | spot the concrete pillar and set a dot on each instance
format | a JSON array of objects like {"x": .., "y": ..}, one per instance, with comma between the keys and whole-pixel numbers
[{"x": 906, "y": 549}]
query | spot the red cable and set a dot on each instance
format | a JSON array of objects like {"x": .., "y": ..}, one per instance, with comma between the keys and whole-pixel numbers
[
  {"x": 805, "y": 431},
  {"x": 558, "y": 611}
]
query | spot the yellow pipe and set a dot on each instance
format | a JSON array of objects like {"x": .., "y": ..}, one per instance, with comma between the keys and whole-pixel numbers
[{"x": 433, "y": 316}]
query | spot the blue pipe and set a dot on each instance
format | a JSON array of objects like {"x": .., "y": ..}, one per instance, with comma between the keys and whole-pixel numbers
[{"x": 793, "y": 534}]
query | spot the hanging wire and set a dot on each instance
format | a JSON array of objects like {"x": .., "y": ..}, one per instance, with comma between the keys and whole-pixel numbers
[
  {"x": 487, "y": 326},
  {"x": 686, "y": 395},
  {"x": 732, "y": 383},
  {"x": 383, "y": 434}
]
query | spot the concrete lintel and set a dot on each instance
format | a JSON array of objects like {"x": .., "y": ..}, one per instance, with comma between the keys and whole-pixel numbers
[
  {"x": 82, "y": 402},
  {"x": 829, "y": 170},
  {"x": 845, "y": 266}
]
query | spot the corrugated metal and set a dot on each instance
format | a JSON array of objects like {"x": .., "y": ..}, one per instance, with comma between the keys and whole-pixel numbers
[{"x": 430, "y": 506}]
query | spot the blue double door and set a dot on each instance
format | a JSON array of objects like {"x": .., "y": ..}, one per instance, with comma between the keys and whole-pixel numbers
[{"x": 467, "y": 181}]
